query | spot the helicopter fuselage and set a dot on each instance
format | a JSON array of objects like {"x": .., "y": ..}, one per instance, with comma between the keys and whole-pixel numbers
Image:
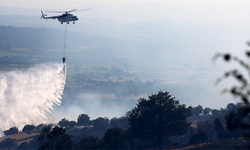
[{"x": 67, "y": 18}]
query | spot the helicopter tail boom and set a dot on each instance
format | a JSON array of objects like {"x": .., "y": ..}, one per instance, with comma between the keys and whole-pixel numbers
[{"x": 53, "y": 17}]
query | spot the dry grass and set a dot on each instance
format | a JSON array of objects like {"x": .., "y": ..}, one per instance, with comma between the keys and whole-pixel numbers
[{"x": 21, "y": 137}]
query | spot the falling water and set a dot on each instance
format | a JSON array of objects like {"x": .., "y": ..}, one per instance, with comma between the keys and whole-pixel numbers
[{"x": 27, "y": 96}]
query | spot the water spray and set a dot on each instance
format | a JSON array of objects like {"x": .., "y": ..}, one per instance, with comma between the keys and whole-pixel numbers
[{"x": 26, "y": 97}]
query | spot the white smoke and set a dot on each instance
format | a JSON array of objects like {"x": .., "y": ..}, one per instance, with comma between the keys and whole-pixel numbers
[{"x": 27, "y": 96}]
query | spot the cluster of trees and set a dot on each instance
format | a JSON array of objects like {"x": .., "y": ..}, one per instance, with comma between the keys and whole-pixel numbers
[
  {"x": 83, "y": 123},
  {"x": 145, "y": 126},
  {"x": 199, "y": 110},
  {"x": 11, "y": 143},
  {"x": 213, "y": 130},
  {"x": 100, "y": 123},
  {"x": 152, "y": 123}
]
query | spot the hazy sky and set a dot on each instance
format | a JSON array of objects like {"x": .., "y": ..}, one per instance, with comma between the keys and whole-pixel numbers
[
  {"x": 204, "y": 26},
  {"x": 235, "y": 12},
  {"x": 66, "y": 3}
]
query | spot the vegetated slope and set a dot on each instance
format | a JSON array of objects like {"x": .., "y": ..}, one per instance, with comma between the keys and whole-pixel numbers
[
  {"x": 96, "y": 47},
  {"x": 24, "y": 137},
  {"x": 21, "y": 137},
  {"x": 16, "y": 37},
  {"x": 27, "y": 37},
  {"x": 233, "y": 143}
]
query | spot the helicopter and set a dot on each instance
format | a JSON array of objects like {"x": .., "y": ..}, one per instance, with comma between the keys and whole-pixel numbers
[{"x": 64, "y": 18}]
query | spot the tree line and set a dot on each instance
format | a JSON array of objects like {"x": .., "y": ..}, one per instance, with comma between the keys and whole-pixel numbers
[
  {"x": 145, "y": 126},
  {"x": 157, "y": 122},
  {"x": 199, "y": 110}
]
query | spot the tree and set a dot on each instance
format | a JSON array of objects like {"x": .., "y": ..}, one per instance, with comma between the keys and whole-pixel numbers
[
  {"x": 55, "y": 139},
  {"x": 231, "y": 107},
  {"x": 40, "y": 127},
  {"x": 8, "y": 143},
  {"x": 196, "y": 111},
  {"x": 28, "y": 128},
  {"x": 67, "y": 124},
  {"x": 219, "y": 128},
  {"x": 238, "y": 117},
  {"x": 114, "y": 138},
  {"x": 83, "y": 120},
  {"x": 157, "y": 117},
  {"x": 199, "y": 137},
  {"x": 71, "y": 124},
  {"x": 203, "y": 133},
  {"x": 63, "y": 123},
  {"x": 24, "y": 145},
  {"x": 33, "y": 144},
  {"x": 121, "y": 122},
  {"x": 216, "y": 112},
  {"x": 89, "y": 143},
  {"x": 207, "y": 111},
  {"x": 101, "y": 123}
]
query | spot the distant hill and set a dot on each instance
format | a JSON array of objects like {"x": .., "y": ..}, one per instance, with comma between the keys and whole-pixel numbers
[
  {"x": 28, "y": 37},
  {"x": 17, "y": 37}
]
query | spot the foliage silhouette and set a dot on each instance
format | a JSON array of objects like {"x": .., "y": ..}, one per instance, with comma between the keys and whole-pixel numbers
[
  {"x": 199, "y": 137},
  {"x": 55, "y": 139},
  {"x": 83, "y": 120},
  {"x": 121, "y": 122},
  {"x": 219, "y": 128},
  {"x": 238, "y": 118},
  {"x": 8, "y": 144},
  {"x": 157, "y": 117},
  {"x": 101, "y": 123},
  {"x": 24, "y": 145},
  {"x": 196, "y": 111},
  {"x": 90, "y": 142},
  {"x": 114, "y": 138},
  {"x": 67, "y": 124},
  {"x": 28, "y": 128}
]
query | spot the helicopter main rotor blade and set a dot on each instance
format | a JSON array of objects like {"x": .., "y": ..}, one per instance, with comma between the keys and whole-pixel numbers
[
  {"x": 57, "y": 11},
  {"x": 72, "y": 10},
  {"x": 83, "y": 10}
]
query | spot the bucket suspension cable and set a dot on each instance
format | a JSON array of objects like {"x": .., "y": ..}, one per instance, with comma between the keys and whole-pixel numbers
[{"x": 65, "y": 37}]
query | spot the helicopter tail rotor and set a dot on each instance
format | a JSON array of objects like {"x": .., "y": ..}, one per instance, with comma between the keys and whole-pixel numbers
[{"x": 43, "y": 15}]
